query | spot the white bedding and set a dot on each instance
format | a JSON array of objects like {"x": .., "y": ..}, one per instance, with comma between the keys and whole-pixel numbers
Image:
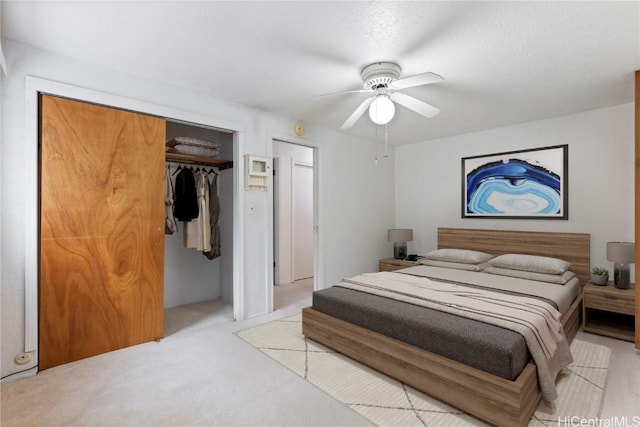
[{"x": 562, "y": 295}]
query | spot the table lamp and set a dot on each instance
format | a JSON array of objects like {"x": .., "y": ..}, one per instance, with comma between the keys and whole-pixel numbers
[
  {"x": 400, "y": 237},
  {"x": 621, "y": 254}
]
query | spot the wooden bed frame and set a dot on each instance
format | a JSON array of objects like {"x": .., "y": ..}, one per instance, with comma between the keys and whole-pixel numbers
[{"x": 491, "y": 398}]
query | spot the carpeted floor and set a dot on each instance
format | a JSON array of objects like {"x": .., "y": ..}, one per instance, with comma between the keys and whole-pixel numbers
[{"x": 385, "y": 401}]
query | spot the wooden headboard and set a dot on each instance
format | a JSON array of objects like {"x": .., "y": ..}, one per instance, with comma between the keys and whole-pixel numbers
[{"x": 572, "y": 247}]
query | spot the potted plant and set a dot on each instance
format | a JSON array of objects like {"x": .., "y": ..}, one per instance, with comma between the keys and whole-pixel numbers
[{"x": 599, "y": 276}]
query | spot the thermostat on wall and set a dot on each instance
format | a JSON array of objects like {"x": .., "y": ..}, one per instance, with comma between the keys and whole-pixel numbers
[{"x": 257, "y": 172}]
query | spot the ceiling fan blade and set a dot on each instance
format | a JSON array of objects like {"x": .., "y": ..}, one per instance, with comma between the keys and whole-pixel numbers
[
  {"x": 353, "y": 118},
  {"x": 414, "y": 104},
  {"x": 342, "y": 93},
  {"x": 417, "y": 80}
]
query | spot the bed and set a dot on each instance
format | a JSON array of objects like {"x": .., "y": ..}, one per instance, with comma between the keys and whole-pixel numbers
[{"x": 487, "y": 396}]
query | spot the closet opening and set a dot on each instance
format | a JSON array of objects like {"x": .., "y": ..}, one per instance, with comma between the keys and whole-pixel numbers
[
  {"x": 198, "y": 280},
  {"x": 293, "y": 223}
]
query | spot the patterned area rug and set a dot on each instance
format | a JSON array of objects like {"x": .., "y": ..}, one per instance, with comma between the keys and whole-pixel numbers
[{"x": 386, "y": 401}]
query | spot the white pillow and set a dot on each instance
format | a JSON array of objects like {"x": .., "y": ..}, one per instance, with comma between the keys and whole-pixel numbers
[
  {"x": 559, "y": 279},
  {"x": 459, "y": 255},
  {"x": 454, "y": 265},
  {"x": 533, "y": 263}
]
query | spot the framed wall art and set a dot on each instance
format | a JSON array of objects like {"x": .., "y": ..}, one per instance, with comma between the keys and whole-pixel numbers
[{"x": 525, "y": 184}]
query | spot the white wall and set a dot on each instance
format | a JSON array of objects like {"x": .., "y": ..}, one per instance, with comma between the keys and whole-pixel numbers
[
  {"x": 354, "y": 194},
  {"x": 601, "y": 178}
]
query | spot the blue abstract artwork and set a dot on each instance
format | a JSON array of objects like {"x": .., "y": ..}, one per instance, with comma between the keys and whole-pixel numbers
[{"x": 517, "y": 184}]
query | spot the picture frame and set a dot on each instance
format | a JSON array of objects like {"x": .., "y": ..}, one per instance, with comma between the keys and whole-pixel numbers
[{"x": 523, "y": 184}]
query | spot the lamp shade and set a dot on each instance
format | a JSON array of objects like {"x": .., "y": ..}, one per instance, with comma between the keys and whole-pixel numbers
[
  {"x": 382, "y": 110},
  {"x": 400, "y": 235},
  {"x": 621, "y": 252}
]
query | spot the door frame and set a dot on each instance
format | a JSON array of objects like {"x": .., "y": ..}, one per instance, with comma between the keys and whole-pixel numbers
[
  {"x": 275, "y": 212},
  {"x": 33, "y": 87},
  {"x": 318, "y": 270}
]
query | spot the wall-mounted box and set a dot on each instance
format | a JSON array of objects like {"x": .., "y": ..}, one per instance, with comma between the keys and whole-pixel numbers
[{"x": 257, "y": 172}]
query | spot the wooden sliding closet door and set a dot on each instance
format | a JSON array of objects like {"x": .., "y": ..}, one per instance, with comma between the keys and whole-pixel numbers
[{"x": 101, "y": 229}]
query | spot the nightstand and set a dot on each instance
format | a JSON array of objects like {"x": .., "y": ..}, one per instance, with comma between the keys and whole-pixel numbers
[
  {"x": 607, "y": 310},
  {"x": 392, "y": 264}
]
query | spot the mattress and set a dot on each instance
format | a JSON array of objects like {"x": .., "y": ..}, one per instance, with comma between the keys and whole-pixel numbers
[{"x": 490, "y": 348}]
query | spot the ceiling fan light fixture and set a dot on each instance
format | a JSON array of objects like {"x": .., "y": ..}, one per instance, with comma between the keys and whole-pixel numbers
[{"x": 382, "y": 110}]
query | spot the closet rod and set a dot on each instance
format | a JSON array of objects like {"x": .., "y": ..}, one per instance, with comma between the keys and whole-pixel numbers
[{"x": 198, "y": 160}]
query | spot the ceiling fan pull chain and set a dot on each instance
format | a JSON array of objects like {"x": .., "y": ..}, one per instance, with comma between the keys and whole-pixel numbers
[
  {"x": 375, "y": 147},
  {"x": 386, "y": 142}
]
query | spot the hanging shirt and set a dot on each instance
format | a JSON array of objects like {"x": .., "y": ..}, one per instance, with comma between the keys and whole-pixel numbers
[
  {"x": 203, "y": 200},
  {"x": 195, "y": 236},
  {"x": 214, "y": 209},
  {"x": 170, "y": 225},
  {"x": 185, "y": 206}
]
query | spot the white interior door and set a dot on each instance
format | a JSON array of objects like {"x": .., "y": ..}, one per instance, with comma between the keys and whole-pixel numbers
[{"x": 302, "y": 214}]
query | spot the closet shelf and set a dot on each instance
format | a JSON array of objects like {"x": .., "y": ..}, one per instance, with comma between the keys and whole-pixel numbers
[{"x": 199, "y": 160}]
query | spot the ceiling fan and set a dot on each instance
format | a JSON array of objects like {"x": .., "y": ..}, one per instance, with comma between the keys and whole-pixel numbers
[{"x": 381, "y": 79}]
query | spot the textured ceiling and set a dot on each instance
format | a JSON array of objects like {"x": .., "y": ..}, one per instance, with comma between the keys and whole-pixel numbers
[{"x": 503, "y": 62}]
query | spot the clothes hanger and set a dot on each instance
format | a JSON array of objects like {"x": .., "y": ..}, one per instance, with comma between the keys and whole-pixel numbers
[{"x": 177, "y": 169}]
